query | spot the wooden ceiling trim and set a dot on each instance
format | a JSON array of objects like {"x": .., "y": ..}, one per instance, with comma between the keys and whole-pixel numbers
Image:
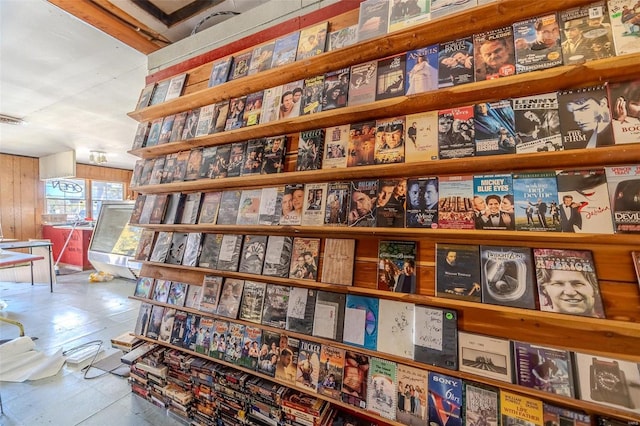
[{"x": 95, "y": 16}]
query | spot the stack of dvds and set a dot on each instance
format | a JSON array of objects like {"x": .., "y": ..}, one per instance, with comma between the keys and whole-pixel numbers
[
  {"x": 301, "y": 409},
  {"x": 202, "y": 379},
  {"x": 156, "y": 375},
  {"x": 264, "y": 401},
  {"x": 138, "y": 379},
  {"x": 230, "y": 398},
  {"x": 178, "y": 392}
]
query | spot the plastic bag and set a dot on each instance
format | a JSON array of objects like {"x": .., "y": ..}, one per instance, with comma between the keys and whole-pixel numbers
[{"x": 100, "y": 277}]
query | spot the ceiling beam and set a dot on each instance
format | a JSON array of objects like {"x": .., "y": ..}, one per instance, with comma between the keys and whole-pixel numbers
[{"x": 117, "y": 27}]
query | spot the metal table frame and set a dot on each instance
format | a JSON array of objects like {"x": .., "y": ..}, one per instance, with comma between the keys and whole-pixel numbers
[{"x": 30, "y": 245}]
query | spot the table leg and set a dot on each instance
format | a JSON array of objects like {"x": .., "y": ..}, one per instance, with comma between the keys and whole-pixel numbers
[
  {"x": 31, "y": 265},
  {"x": 50, "y": 270}
]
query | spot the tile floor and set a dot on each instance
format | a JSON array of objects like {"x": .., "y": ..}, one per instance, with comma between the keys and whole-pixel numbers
[{"x": 75, "y": 313}]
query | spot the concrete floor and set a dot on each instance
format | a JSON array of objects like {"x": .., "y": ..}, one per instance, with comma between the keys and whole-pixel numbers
[{"x": 75, "y": 313}]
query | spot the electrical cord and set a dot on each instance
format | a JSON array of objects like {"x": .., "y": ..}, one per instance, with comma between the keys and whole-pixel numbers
[{"x": 86, "y": 369}]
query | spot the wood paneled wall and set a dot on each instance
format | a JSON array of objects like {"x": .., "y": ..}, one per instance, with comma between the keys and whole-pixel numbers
[{"x": 22, "y": 193}]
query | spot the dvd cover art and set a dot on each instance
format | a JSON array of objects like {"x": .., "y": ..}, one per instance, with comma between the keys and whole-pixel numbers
[
  {"x": 412, "y": 381},
  {"x": 312, "y": 95},
  {"x": 314, "y": 204},
  {"x": 455, "y": 62},
  {"x": 485, "y": 356},
  {"x": 253, "y": 109},
  {"x": 336, "y": 142},
  {"x": 362, "y": 209},
  {"x": 220, "y": 71},
  {"x": 625, "y": 108},
  {"x": 284, "y": 51},
  {"x": 270, "y": 206},
  {"x": 584, "y": 202},
  {"x": 253, "y": 253},
  {"x": 456, "y": 135},
  {"x": 536, "y": 201},
  {"x": 422, "y": 203},
  {"x": 240, "y": 67},
  {"x": 403, "y": 14},
  {"x": 436, "y": 336},
  {"x": 236, "y": 159},
  {"x": 455, "y": 208},
  {"x": 338, "y": 203},
  {"x": 494, "y": 54},
  {"x": 390, "y": 77},
  {"x": 312, "y": 41},
  {"x": 493, "y": 202},
  {"x": 252, "y": 301},
  {"x": 274, "y": 152},
  {"x": 537, "y": 43},
  {"x": 342, "y": 38},
  {"x": 354, "y": 383},
  {"x": 308, "y": 368},
  {"x": 537, "y": 123},
  {"x": 292, "y": 204},
  {"x": 624, "y": 191},
  {"x": 254, "y": 156},
  {"x": 625, "y": 25},
  {"x": 362, "y": 142},
  {"x": 608, "y": 381},
  {"x": 544, "y": 368},
  {"x": 397, "y": 266},
  {"x": 235, "y": 115},
  {"x": 362, "y": 83},
  {"x": 291, "y": 100},
  {"x": 270, "y": 104},
  {"x": 421, "y": 137},
  {"x": 336, "y": 89},
  {"x": 585, "y": 119},
  {"x": 422, "y": 70},
  {"x": 301, "y": 310},
  {"x": 390, "y": 205},
  {"x": 508, "y": 276},
  {"x": 261, "y": 58},
  {"x": 383, "y": 388},
  {"x": 373, "y": 19},
  {"x": 276, "y": 303},
  {"x": 481, "y": 404},
  {"x": 331, "y": 371},
  {"x": 390, "y": 142},
  {"x": 277, "y": 256},
  {"x": 567, "y": 282},
  {"x": 516, "y": 409},
  {"x": 586, "y": 33},
  {"x": 494, "y": 126},
  {"x": 445, "y": 400},
  {"x": 304, "y": 258},
  {"x": 458, "y": 272},
  {"x": 310, "y": 146}
]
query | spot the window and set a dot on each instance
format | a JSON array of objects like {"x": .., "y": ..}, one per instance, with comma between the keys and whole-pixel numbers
[
  {"x": 66, "y": 196},
  {"x": 104, "y": 191}
]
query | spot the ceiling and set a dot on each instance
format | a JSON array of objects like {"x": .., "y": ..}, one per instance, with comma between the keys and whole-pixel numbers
[{"x": 73, "y": 84}]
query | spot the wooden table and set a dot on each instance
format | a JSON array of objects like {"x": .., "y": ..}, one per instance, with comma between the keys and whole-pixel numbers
[
  {"x": 29, "y": 245},
  {"x": 13, "y": 258}
]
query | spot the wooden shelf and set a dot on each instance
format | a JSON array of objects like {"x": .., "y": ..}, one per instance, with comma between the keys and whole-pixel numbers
[
  {"x": 580, "y": 158},
  {"x": 459, "y": 235},
  {"x": 571, "y": 76},
  {"x": 617, "y": 339},
  {"x": 475, "y": 20},
  {"x": 256, "y": 373},
  {"x": 551, "y": 322}
]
